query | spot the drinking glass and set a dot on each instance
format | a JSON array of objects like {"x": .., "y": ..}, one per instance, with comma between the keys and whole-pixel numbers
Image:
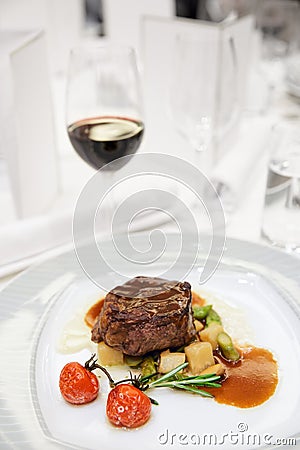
[
  {"x": 279, "y": 22},
  {"x": 104, "y": 107},
  {"x": 281, "y": 217},
  {"x": 199, "y": 112}
]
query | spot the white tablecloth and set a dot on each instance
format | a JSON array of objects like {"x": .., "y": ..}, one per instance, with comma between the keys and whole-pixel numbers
[{"x": 243, "y": 223}]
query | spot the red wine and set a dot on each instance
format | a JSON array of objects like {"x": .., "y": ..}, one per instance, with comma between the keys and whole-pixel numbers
[{"x": 100, "y": 140}]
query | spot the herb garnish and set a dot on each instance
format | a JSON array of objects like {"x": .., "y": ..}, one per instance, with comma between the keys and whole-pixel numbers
[{"x": 172, "y": 379}]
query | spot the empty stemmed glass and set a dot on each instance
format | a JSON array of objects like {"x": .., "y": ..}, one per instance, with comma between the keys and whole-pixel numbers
[{"x": 199, "y": 112}]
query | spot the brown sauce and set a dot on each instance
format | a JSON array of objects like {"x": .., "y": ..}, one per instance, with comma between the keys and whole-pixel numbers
[
  {"x": 251, "y": 381},
  {"x": 197, "y": 300},
  {"x": 92, "y": 314}
]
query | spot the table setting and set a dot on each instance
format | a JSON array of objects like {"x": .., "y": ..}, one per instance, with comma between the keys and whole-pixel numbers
[{"x": 153, "y": 144}]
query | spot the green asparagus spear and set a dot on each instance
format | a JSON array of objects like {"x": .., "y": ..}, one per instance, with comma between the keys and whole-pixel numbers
[
  {"x": 148, "y": 366},
  {"x": 200, "y": 312},
  {"x": 227, "y": 348},
  {"x": 213, "y": 316},
  {"x": 133, "y": 361}
]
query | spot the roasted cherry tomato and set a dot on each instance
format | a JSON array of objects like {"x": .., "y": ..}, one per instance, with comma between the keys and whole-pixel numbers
[
  {"x": 77, "y": 384},
  {"x": 127, "y": 406}
]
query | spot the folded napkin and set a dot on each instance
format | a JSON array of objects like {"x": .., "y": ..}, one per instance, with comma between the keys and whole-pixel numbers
[
  {"x": 23, "y": 241},
  {"x": 232, "y": 175},
  {"x": 292, "y": 74}
]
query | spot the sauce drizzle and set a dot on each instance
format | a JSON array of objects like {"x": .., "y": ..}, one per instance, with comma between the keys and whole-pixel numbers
[
  {"x": 251, "y": 381},
  {"x": 93, "y": 313}
]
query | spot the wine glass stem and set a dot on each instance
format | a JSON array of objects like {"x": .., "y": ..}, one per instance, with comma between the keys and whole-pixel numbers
[
  {"x": 109, "y": 204},
  {"x": 203, "y": 160},
  {"x": 113, "y": 201}
]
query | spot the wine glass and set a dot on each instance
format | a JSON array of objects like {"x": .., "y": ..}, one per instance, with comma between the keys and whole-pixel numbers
[
  {"x": 104, "y": 107},
  {"x": 200, "y": 114},
  {"x": 104, "y": 113}
]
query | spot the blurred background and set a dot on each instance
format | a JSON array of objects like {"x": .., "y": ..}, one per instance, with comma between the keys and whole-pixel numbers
[{"x": 238, "y": 58}]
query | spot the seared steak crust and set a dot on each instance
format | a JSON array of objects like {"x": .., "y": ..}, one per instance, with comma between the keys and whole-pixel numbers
[{"x": 146, "y": 314}]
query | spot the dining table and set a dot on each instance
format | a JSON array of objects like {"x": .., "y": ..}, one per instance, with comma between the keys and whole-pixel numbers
[
  {"x": 242, "y": 222},
  {"x": 44, "y": 282}
]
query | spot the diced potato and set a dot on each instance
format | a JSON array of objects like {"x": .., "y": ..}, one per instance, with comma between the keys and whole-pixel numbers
[
  {"x": 168, "y": 361},
  {"x": 217, "y": 369},
  {"x": 199, "y": 356},
  {"x": 198, "y": 325},
  {"x": 108, "y": 356},
  {"x": 210, "y": 334}
]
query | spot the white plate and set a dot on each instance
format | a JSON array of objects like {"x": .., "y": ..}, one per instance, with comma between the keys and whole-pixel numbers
[{"x": 263, "y": 282}]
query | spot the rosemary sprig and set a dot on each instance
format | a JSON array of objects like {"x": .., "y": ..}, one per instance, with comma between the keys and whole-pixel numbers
[
  {"x": 168, "y": 375},
  {"x": 195, "y": 391},
  {"x": 198, "y": 380},
  {"x": 186, "y": 383},
  {"x": 172, "y": 379},
  {"x": 192, "y": 383}
]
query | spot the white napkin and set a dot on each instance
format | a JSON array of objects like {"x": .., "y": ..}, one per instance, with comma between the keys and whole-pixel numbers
[
  {"x": 29, "y": 241},
  {"x": 232, "y": 175},
  {"x": 292, "y": 74},
  {"x": 23, "y": 241}
]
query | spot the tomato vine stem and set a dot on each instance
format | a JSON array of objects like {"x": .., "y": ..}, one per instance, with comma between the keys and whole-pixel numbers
[{"x": 91, "y": 365}]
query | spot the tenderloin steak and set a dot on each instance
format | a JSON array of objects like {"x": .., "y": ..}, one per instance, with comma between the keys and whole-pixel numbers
[{"x": 146, "y": 314}]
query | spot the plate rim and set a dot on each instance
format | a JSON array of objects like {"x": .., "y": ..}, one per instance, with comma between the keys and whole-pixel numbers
[
  {"x": 35, "y": 270},
  {"x": 229, "y": 240}
]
